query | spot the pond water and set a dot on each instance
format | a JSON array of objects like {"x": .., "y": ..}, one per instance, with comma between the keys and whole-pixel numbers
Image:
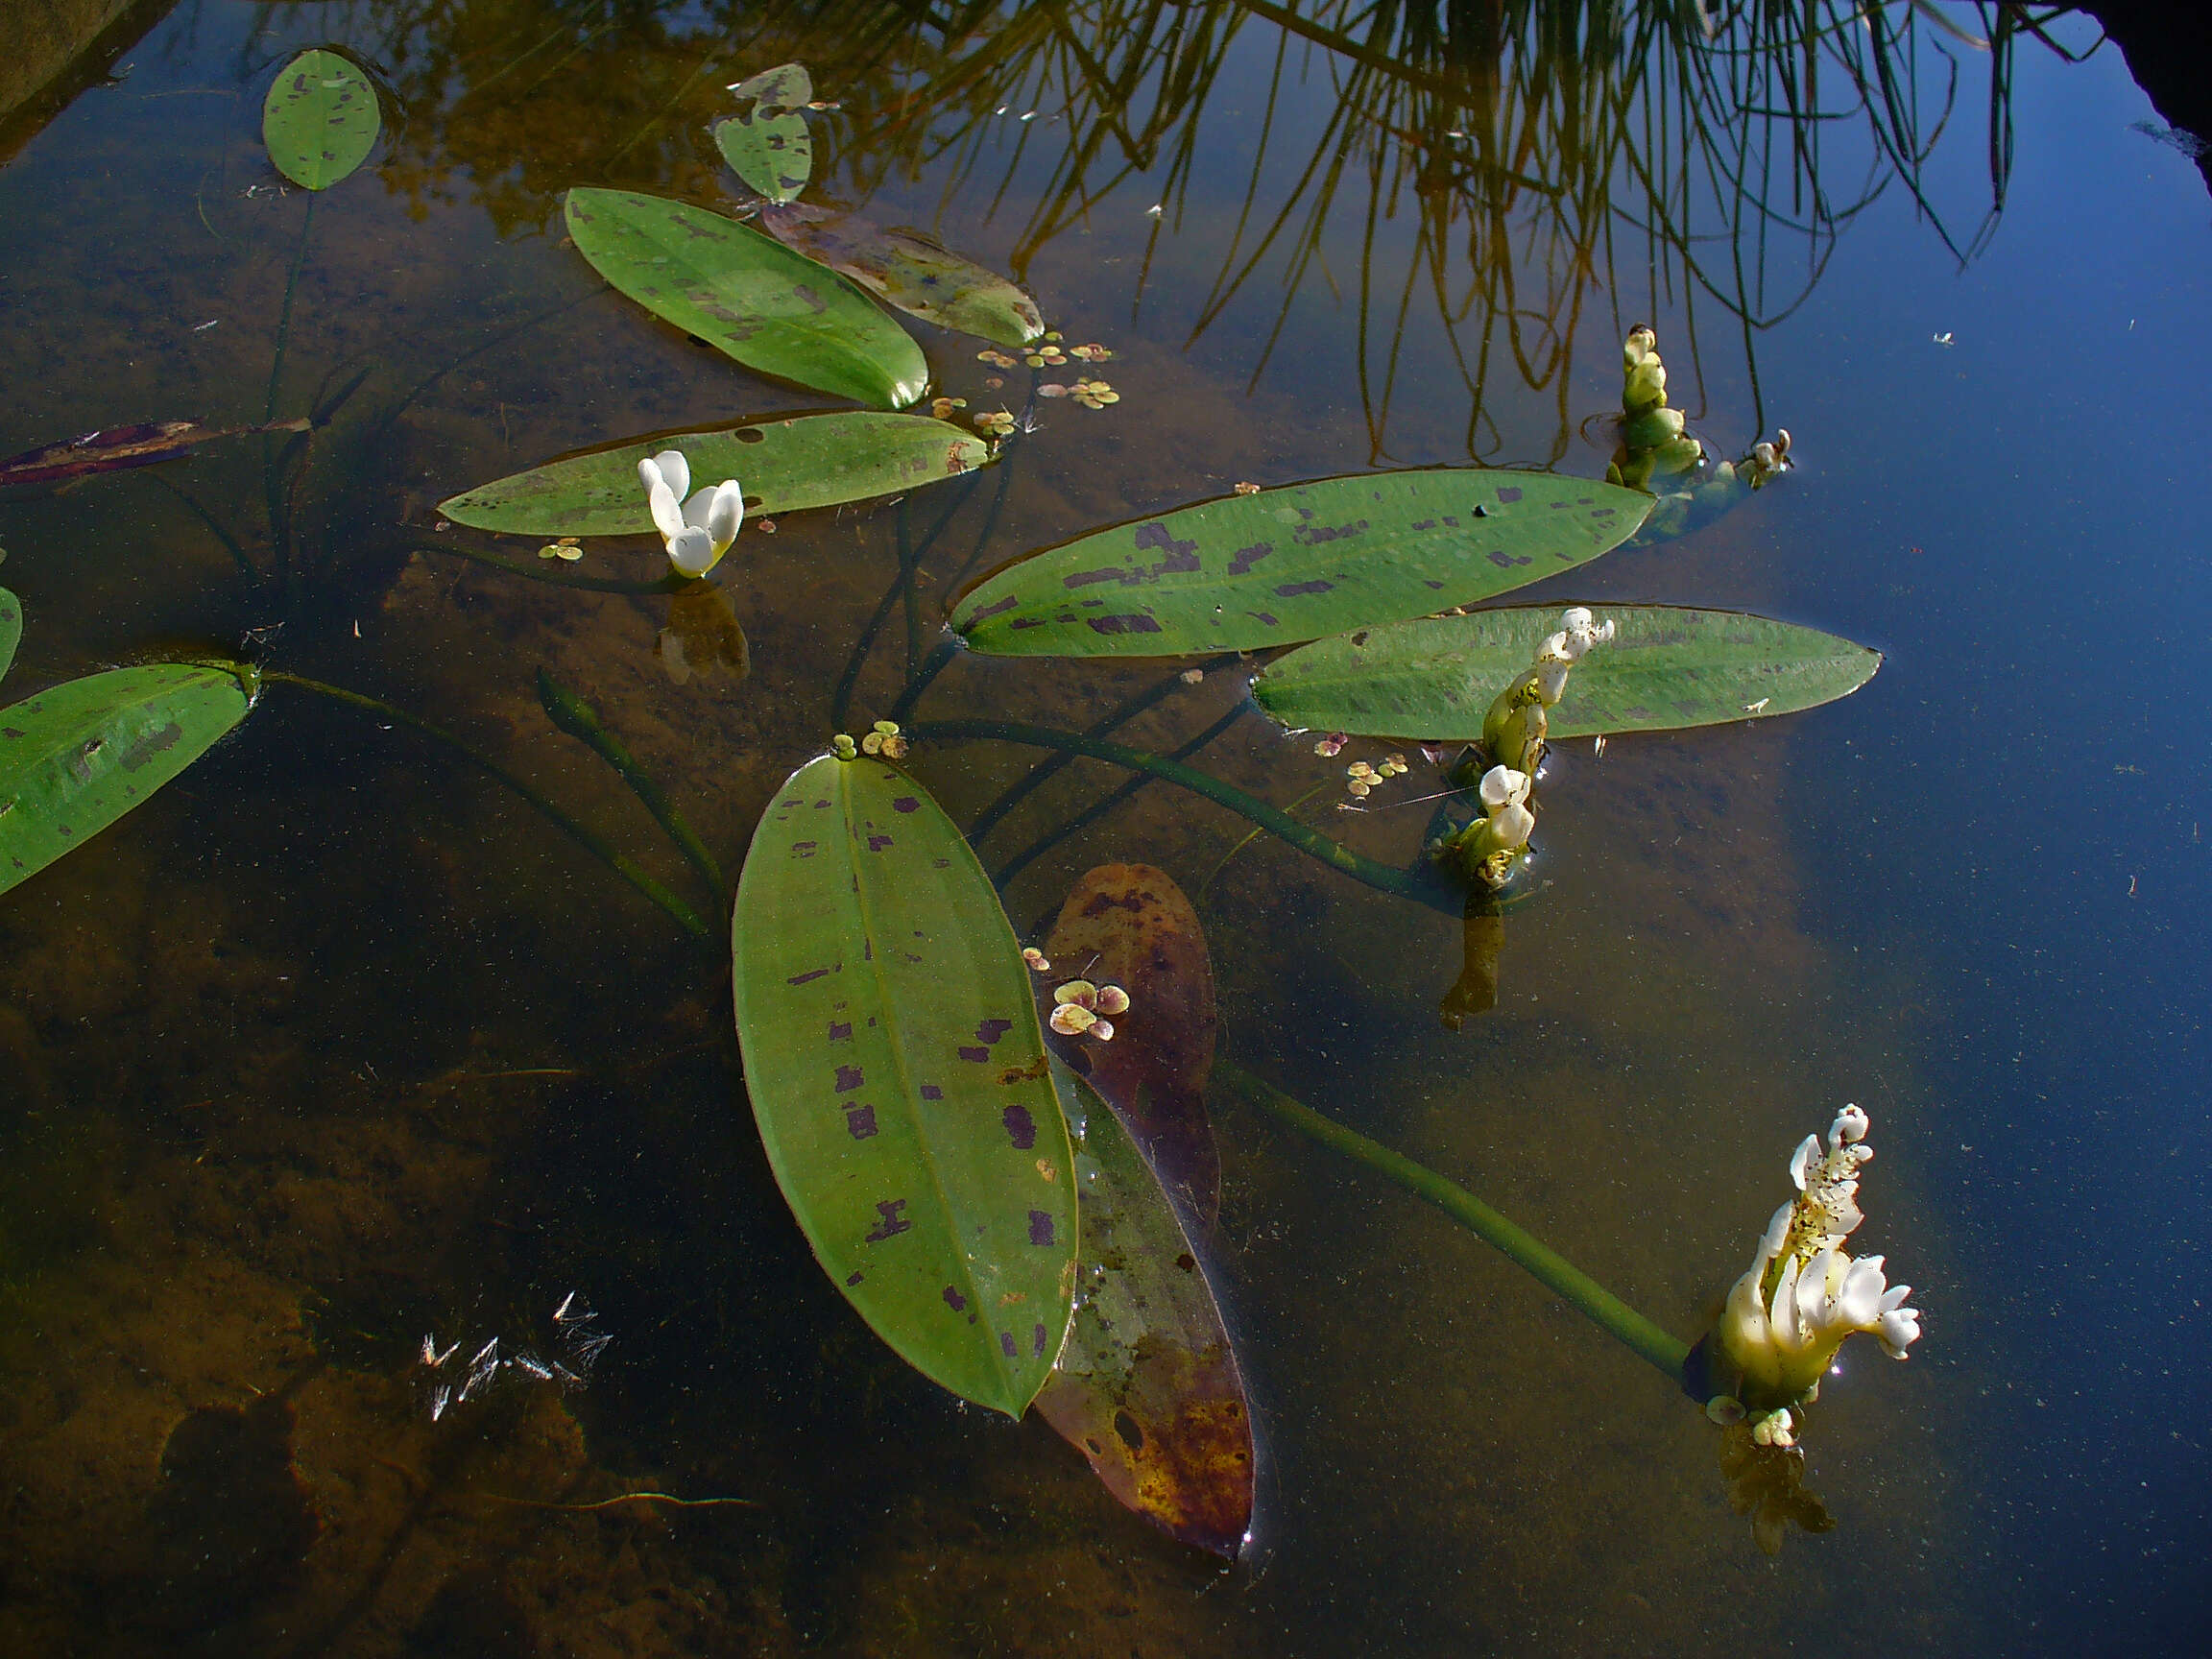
[{"x": 336, "y": 1042}]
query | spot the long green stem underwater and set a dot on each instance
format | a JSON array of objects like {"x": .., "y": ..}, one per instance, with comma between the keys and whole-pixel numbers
[
  {"x": 1418, "y": 885},
  {"x": 1644, "y": 1339},
  {"x": 589, "y": 839},
  {"x": 569, "y": 711}
]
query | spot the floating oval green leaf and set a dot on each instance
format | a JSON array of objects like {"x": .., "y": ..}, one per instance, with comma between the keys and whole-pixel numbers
[
  {"x": 773, "y": 153},
  {"x": 1294, "y": 564},
  {"x": 913, "y": 272},
  {"x": 1147, "y": 1388},
  {"x": 319, "y": 119},
  {"x": 899, "y": 1077},
  {"x": 76, "y": 758},
  {"x": 768, "y": 308},
  {"x": 804, "y": 461},
  {"x": 1667, "y": 668},
  {"x": 11, "y": 629}
]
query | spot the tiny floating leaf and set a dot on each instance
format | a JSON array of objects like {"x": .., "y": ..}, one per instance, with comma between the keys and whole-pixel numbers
[
  {"x": 915, "y": 272},
  {"x": 786, "y": 86},
  {"x": 747, "y": 295},
  {"x": 1283, "y": 565},
  {"x": 1667, "y": 668},
  {"x": 77, "y": 758},
  {"x": 900, "y": 1080},
  {"x": 319, "y": 120},
  {"x": 784, "y": 466}
]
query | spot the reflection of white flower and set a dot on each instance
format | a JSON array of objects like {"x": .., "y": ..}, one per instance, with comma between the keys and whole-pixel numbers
[
  {"x": 1803, "y": 1295},
  {"x": 700, "y": 530}
]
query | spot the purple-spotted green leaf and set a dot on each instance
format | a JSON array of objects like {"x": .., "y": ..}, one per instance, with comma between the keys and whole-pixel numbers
[
  {"x": 1293, "y": 564},
  {"x": 77, "y": 758},
  {"x": 911, "y": 271},
  {"x": 11, "y": 629},
  {"x": 784, "y": 466},
  {"x": 1147, "y": 1388},
  {"x": 747, "y": 293},
  {"x": 899, "y": 1076},
  {"x": 773, "y": 153},
  {"x": 319, "y": 119},
  {"x": 1666, "y": 670}
]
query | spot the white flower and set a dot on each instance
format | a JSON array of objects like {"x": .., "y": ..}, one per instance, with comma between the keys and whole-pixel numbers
[
  {"x": 1512, "y": 823},
  {"x": 700, "y": 530},
  {"x": 1803, "y": 1295},
  {"x": 1503, "y": 787}
]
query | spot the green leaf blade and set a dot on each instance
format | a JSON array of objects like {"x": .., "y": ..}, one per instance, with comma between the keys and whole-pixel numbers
[
  {"x": 1668, "y": 669},
  {"x": 77, "y": 758},
  {"x": 319, "y": 119},
  {"x": 784, "y": 466},
  {"x": 747, "y": 295},
  {"x": 897, "y": 1075},
  {"x": 1294, "y": 564},
  {"x": 773, "y": 153},
  {"x": 11, "y": 629},
  {"x": 786, "y": 86}
]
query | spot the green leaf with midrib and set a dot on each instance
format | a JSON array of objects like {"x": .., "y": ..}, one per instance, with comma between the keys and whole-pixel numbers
[
  {"x": 747, "y": 295},
  {"x": 1293, "y": 564},
  {"x": 896, "y": 1071},
  {"x": 319, "y": 120},
  {"x": 1667, "y": 668},
  {"x": 77, "y": 758},
  {"x": 783, "y": 466}
]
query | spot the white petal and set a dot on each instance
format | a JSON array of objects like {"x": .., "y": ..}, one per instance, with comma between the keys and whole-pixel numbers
[
  {"x": 691, "y": 551},
  {"x": 1861, "y": 1299},
  {"x": 1900, "y": 1330},
  {"x": 725, "y": 513},
  {"x": 1576, "y": 620},
  {"x": 667, "y": 516},
  {"x": 675, "y": 471},
  {"x": 1777, "y": 1230},
  {"x": 649, "y": 474},
  {"x": 1896, "y": 1297},
  {"x": 1783, "y": 1311},
  {"x": 1849, "y": 1128},
  {"x": 1551, "y": 681},
  {"x": 1514, "y": 823},
  {"x": 1604, "y": 630},
  {"x": 1503, "y": 787},
  {"x": 1808, "y": 1149},
  {"x": 1812, "y": 1307}
]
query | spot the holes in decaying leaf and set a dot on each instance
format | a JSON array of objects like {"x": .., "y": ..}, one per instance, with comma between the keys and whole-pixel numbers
[
  {"x": 751, "y": 435},
  {"x": 1125, "y": 1425}
]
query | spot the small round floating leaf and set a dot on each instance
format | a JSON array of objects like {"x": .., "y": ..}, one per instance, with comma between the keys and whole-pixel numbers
[
  {"x": 898, "y": 1078},
  {"x": 784, "y": 466},
  {"x": 1147, "y": 1388},
  {"x": 747, "y": 295},
  {"x": 11, "y": 629},
  {"x": 77, "y": 758},
  {"x": 1667, "y": 668},
  {"x": 773, "y": 153},
  {"x": 1283, "y": 565},
  {"x": 319, "y": 120}
]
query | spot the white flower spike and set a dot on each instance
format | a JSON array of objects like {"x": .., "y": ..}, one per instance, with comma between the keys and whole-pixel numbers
[
  {"x": 1803, "y": 1295},
  {"x": 697, "y": 531}
]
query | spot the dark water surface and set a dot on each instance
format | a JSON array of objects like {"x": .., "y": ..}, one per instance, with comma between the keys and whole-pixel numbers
[{"x": 335, "y": 1043}]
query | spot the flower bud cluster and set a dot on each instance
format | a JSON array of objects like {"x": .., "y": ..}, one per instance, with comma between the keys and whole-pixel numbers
[
  {"x": 1651, "y": 434},
  {"x": 1514, "y": 729}
]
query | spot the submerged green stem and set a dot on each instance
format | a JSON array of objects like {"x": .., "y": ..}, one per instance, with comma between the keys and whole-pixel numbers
[
  {"x": 1417, "y": 885},
  {"x": 1646, "y": 1340},
  {"x": 568, "y": 710},
  {"x": 589, "y": 839}
]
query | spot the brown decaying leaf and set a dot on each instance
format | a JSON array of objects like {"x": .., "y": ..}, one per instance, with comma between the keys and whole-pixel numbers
[
  {"x": 112, "y": 449},
  {"x": 1767, "y": 1483},
  {"x": 1148, "y": 1387},
  {"x": 1130, "y": 925}
]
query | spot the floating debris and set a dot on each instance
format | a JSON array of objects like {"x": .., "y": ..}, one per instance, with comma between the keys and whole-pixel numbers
[
  {"x": 1247, "y": 489},
  {"x": 575, "y": 1349}
]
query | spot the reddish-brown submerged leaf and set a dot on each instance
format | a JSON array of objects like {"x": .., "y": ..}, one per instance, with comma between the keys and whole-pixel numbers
[
  {"x": 912, "y": 271},
  {"x": 1146, "y": 1387},
  {"x": 112, "y": 449},
  {"x": 1130, "y": 925}
]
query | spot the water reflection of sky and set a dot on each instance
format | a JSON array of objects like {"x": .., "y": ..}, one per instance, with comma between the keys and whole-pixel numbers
[{"x": 1973, "y": 897}]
